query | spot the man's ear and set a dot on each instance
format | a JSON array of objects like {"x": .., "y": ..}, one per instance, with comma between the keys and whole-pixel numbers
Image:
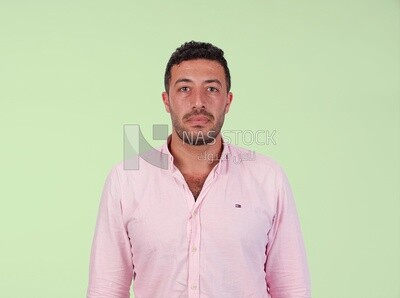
[
  {"x": 228, "y": 102},
  {"x": 165, "y": 99}
]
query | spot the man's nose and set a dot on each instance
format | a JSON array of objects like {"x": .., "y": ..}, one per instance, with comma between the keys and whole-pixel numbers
[{"x": 198, "y": 100}]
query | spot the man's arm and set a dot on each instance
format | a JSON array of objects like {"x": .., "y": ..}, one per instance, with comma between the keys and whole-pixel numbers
[
  {"x": 287, "y": 274},
  {"x": 111, "y": 270}
]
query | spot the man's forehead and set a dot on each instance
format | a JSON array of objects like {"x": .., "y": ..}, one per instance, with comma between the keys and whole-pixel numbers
[
  {"x": 197, "y": 63},
  {"x": 198, "y": 66}
]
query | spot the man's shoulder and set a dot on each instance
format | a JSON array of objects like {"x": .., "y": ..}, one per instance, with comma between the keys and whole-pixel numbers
[
  {"x": 251, "y": 158},
  {"x": 255, "y": 167},
  {"x": 149, "y": 159}
]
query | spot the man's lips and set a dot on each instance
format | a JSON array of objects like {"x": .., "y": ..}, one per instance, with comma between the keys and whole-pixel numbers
[{"x": 198, "y": 120}]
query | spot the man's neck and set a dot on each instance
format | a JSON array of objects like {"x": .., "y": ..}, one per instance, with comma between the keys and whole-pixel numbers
[{"x": 195, "y": 160}]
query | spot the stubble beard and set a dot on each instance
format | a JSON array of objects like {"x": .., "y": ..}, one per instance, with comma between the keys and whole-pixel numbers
[{"x": 197, "y": 137}]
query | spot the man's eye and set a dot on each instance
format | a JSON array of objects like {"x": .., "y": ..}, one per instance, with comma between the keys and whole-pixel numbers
[
  {"x": 212, "y": 89},
  {"x": 184, "y": 89}
]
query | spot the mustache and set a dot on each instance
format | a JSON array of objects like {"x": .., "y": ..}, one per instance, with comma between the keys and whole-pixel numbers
[{"x": 198, "y": 113}]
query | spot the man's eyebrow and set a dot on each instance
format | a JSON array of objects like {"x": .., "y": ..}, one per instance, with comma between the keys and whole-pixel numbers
[
  {"x": 183, "y": 80},
  {"x": 213, "y": 81},
  {"x": 190, "y": 81}
]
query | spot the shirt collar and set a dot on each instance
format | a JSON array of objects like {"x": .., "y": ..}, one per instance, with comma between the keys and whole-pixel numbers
[
  {"x": 165, "y": 150},
  {"x": 220, "y": 168}
]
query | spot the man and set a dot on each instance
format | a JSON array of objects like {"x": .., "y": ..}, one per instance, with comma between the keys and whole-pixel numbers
[{"x": 211, "y": 224}]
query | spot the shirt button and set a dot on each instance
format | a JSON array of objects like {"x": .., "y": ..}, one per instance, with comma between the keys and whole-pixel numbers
[
  {"x": 194, "y": 287},
  {"x": 194, "y": 249}
]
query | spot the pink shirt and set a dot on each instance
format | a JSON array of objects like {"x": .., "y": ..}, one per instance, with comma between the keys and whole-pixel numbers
[{"x": 241, "y": 238}]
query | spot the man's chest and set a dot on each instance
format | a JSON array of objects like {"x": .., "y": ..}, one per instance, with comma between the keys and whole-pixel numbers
[
  {"x": 226, "y": 215},
  {"x": 195, "y": 183}
]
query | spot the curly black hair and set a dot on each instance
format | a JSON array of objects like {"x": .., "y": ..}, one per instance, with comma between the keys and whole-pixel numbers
[{"x": 197, "y": 50}]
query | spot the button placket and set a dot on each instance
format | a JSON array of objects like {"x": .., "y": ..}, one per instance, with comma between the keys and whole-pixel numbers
[
  {"x": 194, "y": 236},
  {"x": 194, "y": 265}
]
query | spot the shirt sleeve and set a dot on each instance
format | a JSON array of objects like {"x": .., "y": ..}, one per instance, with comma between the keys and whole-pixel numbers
[
  {"x": 111, "y": 269},
  {"x": 287, "y": 274}
]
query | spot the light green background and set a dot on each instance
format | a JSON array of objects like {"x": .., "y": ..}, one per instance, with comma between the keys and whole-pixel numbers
[{"x": 323, "y": 74}]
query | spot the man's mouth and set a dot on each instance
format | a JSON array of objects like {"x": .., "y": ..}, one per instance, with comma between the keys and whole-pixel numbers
[{"x": 198, "y": 120}]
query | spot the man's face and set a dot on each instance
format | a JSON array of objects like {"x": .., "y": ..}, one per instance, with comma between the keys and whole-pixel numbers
[{"x": 197, "y": 100}]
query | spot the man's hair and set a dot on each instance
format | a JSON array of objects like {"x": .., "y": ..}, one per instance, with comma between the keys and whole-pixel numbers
[{"x": 196, "y": 50}]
